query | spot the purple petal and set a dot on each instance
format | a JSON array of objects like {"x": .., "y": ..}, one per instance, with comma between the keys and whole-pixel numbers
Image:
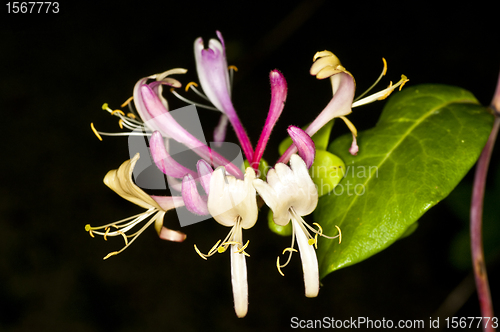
[
  {"x": 162, "y": 120},
  {"x": 168, "y": 202},
  {"x": 163, "y": 160},
  {"x": 278, "y": 98},
  {"x": 205, "y": 173},
  {"x": 194, "y": 202},
  {"x": 304, "y": 144},
  {"x": 340, "y": 105}
]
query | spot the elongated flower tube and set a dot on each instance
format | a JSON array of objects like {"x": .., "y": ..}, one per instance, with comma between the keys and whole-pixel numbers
[
  {"x": 120, "y": 181},
  {"x": 290, "y": 193},
  {"x": 278, "y": 98},
  {"x": 232, "y": 203},
  {"x": 304, "y": 144},
  {"x": 211, "y": 65}
]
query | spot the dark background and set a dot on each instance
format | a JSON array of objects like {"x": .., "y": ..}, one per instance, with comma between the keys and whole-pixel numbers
[{"x": 58, "y": 69}]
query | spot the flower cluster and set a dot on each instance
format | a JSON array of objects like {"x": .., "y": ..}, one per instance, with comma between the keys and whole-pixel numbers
[{"x": 219, "y": 188}]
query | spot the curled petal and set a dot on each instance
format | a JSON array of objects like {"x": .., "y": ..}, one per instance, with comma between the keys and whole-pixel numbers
[
  {"x": 205, "y": 173},
  {"x": 163, "y": 160},
  {"x": 304, "y": 144},
  {"x": 171, "y": 235},
  {"x": 194, "y": 202}
]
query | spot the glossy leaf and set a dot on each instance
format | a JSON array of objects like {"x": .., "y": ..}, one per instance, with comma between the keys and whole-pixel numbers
[{"x": 425, "y": 141}]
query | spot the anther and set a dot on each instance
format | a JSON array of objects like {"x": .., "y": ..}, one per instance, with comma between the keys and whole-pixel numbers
[
  {"x": 131, "y": 115},
  {"x": 340, "y": 233},
  {"x": 279, "y": 267},
  {"x": 199, "y": 252},
  {"x": 110, "y": 254},
  {"x": 233, "y": 67},
  {"x": 385, "y": 67},
  {"x": 120, "y": 123},
  {"x": 189, "y": 85},
  {"x": 117, "y": 111},
  {"x": 127, "y": 101},
  {"x": 95, "y": 131}
]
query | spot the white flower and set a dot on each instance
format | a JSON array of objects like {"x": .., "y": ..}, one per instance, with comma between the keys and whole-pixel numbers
[
  {"x": 291, "y": 194},
  {"x": 232, "y": 203}
]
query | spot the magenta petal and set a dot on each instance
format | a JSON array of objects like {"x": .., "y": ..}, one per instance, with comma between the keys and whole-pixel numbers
[
  {"x": 171, "y": 235},
  {"x": 168, "y": 202},
  {"x": 278, "y": 98},
  {"x": 194, "y": 202},
  {"x": 204, "y": 173},
  {"x": 304, "y": 144},
  {"x": 163, "y": 160}
]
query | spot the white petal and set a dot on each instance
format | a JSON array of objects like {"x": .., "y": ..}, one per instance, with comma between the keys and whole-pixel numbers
[
  {"x": 239, "y": 281},
  {"x": 309, "y": 261}
]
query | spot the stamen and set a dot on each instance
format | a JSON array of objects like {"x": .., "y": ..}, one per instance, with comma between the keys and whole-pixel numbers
[
  {"x": 199, "y": 252},
  {"x": 389, "y": 91},
  {"x": 384, "y": 71},
  {"x": 95, "y": 131},
  {"x": 131, "y": 115},
  {"x": 289, "y": 250},
  {"x": 192, "y": 102},
  {"x": 190, "y": 84},
  {"x": 120, "y": 123},
  {"x": 311, "y": 242},
  {"x": 111, "y": 254},
  {"x": 279, "y": 267},
  {"x": 127, "y": 101},
  {"x": 232, "y": 67},
  {"x": 243, "y": 248},
  {"x": 117, "y": 111}
]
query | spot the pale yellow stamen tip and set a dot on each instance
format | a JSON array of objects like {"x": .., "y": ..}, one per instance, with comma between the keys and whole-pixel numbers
[
  {"x": 88, "y": 228},
  {"x": 117, "y": 111},
  {"x": 120, "y": 123},
  {"x": 189, "y": 85},
  {"x": 127, "y": 101},
  {"x": 289, "y": 249},
  {"x": 221, "y": 249},
  {"x": 105, "y": 106},
  {"x": 340, "y": 233},
  {"x": 404, "y": 79},
  {"x": 110, "y": 254},
  {"x": 199, "y": 252},
  {"x": 95, "y": 131},
  {"x": 279, "y": 267},
  {"x": 311, "y": 241},
  {"x": 106, "y": 234},
  {"x": 131, "y": 115},
  {"x": 233, "y": 67},
  {"x": 385, "y": 67}
]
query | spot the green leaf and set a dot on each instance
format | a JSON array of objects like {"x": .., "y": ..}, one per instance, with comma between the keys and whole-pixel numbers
[{"x": 425, "y": 141}]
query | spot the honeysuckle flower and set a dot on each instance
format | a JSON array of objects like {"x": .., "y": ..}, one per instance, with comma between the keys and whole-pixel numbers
[
  {"x": 290, "y": 193},
  {"x": 325, "y": 65},
  {"x": 212, "y": 68},
  {"x": 120, "y": 181},
  {"x": 304, "y": 144},
  {"x": 232, "y": 203}
]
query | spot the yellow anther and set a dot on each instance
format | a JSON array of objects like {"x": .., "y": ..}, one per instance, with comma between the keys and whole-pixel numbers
[
  {"x": 88, "y": 228},
  {"x": 243, "y": 248},
  {"x": 95, "y": 131},
  {"x": 233, "y": 67},
  {"x": 311, "y": 241},
  {"x": 105, "y": 106},
  {"x": 131, "y": 115},
  {"x": 124, "y": 237},
  {"x": 316, "y": 241},
  {"x": 120, "y": 123},
  {"x": 320, "y": 230},
  {"x": 91, "y": 234},
  {"x": 117, "y": 111},
  {"x": 340, "y": 233},
  {"x": 199, "y": 252},
  {"x": 279, "y": 267},
  {"x": 106, "y": 233},
  {"x": 404, "y": 79},
  {"x": 127, "y": 101},
  {"x": 385, "y": 67},
  {"x": 214, "y": 248},
  {"x": 172, "y": 89},
  {"x": 189, "y": 85},
  {"x": 110, "y": 254},
  {"x": 289, "y": 249}
]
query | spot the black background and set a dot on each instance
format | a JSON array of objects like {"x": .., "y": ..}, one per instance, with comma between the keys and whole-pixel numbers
[{"x": 58, "y": 69}]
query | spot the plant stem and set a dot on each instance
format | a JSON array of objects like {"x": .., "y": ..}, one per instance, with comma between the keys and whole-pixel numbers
[{"x": 476, "y": 219}]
